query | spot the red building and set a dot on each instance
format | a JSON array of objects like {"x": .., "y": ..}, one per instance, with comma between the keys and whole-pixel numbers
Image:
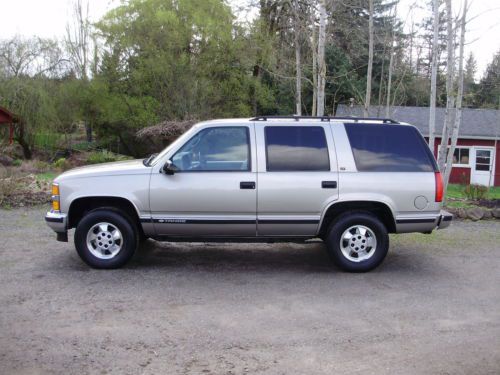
[
  {"x": 7, "y": 118},
  {"x": 475, "y": 158}
]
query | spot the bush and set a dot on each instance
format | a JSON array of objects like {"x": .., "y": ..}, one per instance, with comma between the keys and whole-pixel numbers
[
  {"x": 62, "y": 163},
  {"x": 105, "y": 156},
  {"x": 34, "y": 166},
  {"x": 84, "y": 146},
  {"x": 8, "y": 186},
  {"x": 41, "y": 166},
  {"x": 475, "y": 191},
  {"x": 17, "y": 162}
]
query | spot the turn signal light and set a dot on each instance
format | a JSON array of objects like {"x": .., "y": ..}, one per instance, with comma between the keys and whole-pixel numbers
[
  {"x": 55, "y": 205},
  {"x": 439, "y": 187}
]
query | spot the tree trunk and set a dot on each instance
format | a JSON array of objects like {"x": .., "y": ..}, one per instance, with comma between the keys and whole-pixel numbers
[
  {"x": 298, "y": 68},
  {"x": 21, "y": 139},
  {"x": 450, "y": 99},
  {"x": 435, "y": 47},
  {"x": 88, "y": 131},
  {"x": 321, "y": 59},
  {"x": 370, "y": 63},
  {"x": 458, "y": 116},
  {"x": 314, "y": 69},
  {"x": 389, "y": 82}
]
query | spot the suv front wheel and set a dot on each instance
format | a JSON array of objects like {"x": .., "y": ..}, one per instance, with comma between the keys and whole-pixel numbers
[
  {"x": 357, "y": 241},
  {"x": 106, "y": 238}
]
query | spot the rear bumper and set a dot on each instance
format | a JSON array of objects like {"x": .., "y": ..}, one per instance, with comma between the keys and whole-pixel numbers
[
  {"x": 56, "y": 221},
  {"x": 444, "y": 220},
  {"x": 423, "y": 223}
]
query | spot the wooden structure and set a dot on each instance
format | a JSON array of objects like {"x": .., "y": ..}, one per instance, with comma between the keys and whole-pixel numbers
[{"x": 9, "y": 119}]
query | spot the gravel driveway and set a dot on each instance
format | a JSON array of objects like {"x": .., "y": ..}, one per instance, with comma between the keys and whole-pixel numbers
[{"x": 433, "y": 307}]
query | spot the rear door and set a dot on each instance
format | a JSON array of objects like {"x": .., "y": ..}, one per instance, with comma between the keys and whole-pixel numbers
[{"x": 297, "y": 175}]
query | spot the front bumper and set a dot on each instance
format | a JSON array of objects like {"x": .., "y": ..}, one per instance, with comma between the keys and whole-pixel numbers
[
  {"x": 57, "y": 221},
  {"x": 444, "y": 220}
]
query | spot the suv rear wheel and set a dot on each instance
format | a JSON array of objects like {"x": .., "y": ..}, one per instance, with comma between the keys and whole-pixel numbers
[
  {"x": 106, "y": 238},
  {"x": 357, "y": 241}
]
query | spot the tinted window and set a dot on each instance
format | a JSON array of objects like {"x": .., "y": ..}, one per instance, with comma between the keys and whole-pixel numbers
[
  {"x": 389, "y": 148},
  {"x": 293, "y": 148},
  {"x": 215, "y": 149}
]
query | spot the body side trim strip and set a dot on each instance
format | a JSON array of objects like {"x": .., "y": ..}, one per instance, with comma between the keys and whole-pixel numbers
[
  {"x": 415, "y": 221},
  {"x": 170, "y": 220}
]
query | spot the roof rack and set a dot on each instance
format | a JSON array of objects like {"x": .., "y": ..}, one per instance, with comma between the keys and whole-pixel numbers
[{"x": 326, "y": 118}]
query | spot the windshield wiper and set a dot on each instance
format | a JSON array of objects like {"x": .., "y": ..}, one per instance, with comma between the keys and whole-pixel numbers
[{"x": 147, "y": 161}]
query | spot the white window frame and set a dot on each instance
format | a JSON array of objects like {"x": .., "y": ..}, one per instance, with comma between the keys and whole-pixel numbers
[{"x": 459, "y": 165}]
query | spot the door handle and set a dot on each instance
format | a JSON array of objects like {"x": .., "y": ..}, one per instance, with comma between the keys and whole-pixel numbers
[
  {"x": 329, "y": 184},
  {"x": 247, "y": 185}
]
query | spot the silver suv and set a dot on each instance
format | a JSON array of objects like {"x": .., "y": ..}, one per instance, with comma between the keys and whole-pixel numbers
[{"x": 346, "y": 181}]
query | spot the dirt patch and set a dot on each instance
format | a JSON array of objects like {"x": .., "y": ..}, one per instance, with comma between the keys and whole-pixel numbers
[{"x": 20, "y": 191}]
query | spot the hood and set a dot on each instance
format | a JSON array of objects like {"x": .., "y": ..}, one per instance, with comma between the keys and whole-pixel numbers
[{"x": 129, "y": 167}]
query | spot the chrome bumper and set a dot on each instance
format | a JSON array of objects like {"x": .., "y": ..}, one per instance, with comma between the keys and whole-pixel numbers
[
  {"x": 56, "y": 221},
  {"x": 444, "y": 220}
]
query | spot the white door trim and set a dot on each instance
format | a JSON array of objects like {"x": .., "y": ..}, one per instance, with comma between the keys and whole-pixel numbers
[{"x": 482, "y": 177}]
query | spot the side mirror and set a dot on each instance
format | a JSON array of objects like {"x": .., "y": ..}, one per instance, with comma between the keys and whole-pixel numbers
[{"x": 169, "y": 168}]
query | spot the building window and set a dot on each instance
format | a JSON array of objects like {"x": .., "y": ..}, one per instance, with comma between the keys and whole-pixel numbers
[
  {"x": 461, "y": 156},
  {"x": 483, "y": 160}
]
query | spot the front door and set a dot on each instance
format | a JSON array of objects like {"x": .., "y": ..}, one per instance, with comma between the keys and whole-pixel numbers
[
  {"x": 482, "y": 172},
  {"x": 213, "y": 192}
]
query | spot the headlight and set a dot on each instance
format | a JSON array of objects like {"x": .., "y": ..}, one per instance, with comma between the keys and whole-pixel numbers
[{"x": 56, "y": 201}]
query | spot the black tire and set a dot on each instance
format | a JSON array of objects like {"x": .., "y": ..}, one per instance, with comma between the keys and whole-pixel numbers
[
  {"x": 349, "y": 220},
  {"x": 129, "y": 235}
]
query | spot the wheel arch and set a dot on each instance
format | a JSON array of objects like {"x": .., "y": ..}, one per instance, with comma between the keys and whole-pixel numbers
[
  {"x": 380, "y": 209},
  {"x": 81, "y": 206}
]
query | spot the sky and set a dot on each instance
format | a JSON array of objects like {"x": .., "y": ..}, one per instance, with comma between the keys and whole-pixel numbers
[{"x": 48, "y": 18}]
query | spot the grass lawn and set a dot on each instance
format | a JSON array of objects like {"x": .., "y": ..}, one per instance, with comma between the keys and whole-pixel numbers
[
  {"x": 46, "y": 176},
  {"x": 456, "y": 191}
]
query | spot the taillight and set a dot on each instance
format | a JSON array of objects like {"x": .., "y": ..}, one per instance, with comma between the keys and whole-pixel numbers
[{"x": 439, "y": 187}]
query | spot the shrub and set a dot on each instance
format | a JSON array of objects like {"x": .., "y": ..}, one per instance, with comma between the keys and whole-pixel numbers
[
  {"x": 62, "y": 163},
  {"x": 41, "y": 166},
  {"x": 8, "y": 186},
  {"x": 84, "y": 146},
  {"x": 17, "y": 162},
  {"x": 105, "y": 156},
  {"x": 475, "y": 191}
]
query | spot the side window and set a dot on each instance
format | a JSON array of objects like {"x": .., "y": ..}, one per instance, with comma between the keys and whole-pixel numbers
[
  {"x": 389, "y": 148},
  {"x": 215, "y": 149},
  {"x": 296, "y": 148}
]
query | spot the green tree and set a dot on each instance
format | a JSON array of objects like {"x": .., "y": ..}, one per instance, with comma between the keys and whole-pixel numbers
[{"x": 489, "y": 86}]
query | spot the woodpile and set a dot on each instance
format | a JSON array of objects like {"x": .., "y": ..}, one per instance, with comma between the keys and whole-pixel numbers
[{"x": 167, "y": 131}]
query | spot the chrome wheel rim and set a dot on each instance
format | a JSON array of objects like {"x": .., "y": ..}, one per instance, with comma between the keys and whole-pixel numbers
[
  {"x": 104, "y": 240},
  {"x": 358, "y": 243}
]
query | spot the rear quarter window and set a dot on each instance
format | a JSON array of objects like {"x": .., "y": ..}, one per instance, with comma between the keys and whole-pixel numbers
[{"x": 389, "y": 148}]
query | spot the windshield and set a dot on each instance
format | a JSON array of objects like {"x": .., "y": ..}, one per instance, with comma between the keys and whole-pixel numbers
[{"x": 179, "y": 140}]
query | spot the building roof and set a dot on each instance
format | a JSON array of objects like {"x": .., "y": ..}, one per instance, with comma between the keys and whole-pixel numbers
[
  {"x": 7, "y": 117},
  {"x": 476, "y": 123}
]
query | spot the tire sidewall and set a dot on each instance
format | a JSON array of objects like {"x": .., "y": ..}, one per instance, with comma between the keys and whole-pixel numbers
[
  {"x": 129, "y": 235},
  {"x": 347, "y": 221}
]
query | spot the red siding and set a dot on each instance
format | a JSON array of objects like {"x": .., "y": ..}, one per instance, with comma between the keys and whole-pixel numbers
[
  {"x": 4, "y": 118},
  {"x": 457, "y": 172},
  {"x": 460, "y": 175}
]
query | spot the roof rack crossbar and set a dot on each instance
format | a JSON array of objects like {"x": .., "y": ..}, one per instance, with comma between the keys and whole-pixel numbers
[{"x": 325, "y": 118}]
